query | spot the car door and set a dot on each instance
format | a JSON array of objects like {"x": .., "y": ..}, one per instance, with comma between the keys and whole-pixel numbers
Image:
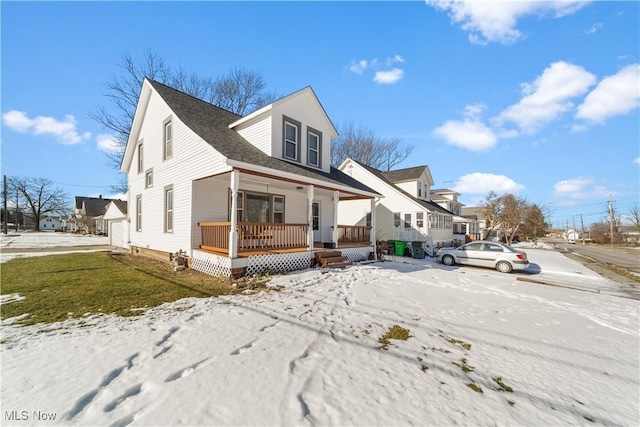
[
  {"x": 490, "y": 254},
  {"x": 469, "y": 253}
]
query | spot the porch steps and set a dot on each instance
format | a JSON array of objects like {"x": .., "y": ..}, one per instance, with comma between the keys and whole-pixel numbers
[{"x": 332, "y": 259}]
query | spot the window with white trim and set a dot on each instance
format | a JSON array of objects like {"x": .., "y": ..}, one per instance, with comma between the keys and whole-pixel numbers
[
  {"x": 314, "y": 142},
  {"x": 168, "y": 209},
  {"x": 148, "y": 181},
  {"x": 140, "y": 158},
  {"x": 259, "y": 207},
  {"x": 168, "y": 140},
  {"x": 291, "y": 137},
  {"x": 367, "y": 218},
  {"x": 407, "y": 220},
  {"x": 419, "y": 219},
  {"x": 396, "y": 219}
]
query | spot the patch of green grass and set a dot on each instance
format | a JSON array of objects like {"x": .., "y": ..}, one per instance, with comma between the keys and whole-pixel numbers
[
  {"x": 464, "y": 366},
  {"x": 395, "y": 332},
  {"x": 475, "y": 388},
  {"x": 464, "y": 345},
  {"x": 502, "y": 385},
  {"x": 58, "y": 287}
]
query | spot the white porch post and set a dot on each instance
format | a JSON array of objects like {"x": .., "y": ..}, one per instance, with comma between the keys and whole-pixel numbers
[
  {"x": 233, "y": 233},
  {"x": 310, "y": 219},
  {"x": 334, "y": 233},
  {"x": 373, "y": 228}
]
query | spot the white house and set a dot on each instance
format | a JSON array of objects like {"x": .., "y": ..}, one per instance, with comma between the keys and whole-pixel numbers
[
  {"x": 49, "y": 223},
  {"x": 115, "y": 218},
  {"x": 239, "y": 195},
  {"x": 464, "y": 229},
  {"x": 406, "y": 212}
]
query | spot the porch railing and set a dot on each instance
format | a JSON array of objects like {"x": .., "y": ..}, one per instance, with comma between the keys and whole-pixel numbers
[
  {"x": 408, "y": 234},
  {"x": 254, "y": 236},
  {"x": 354, "y": 234}
]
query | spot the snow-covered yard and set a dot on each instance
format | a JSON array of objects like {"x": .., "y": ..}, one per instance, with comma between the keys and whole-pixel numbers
[{"x": 309, "y": 353}]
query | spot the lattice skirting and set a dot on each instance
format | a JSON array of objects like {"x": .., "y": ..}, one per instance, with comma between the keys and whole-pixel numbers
[
  {"x": 279, "y": 263},
  {"x": 357, "y": 254},
  {"x": 211, "y": 264}
]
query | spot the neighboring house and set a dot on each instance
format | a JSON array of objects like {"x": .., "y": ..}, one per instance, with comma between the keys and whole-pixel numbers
[
  {"x": 49, "y": 223},
  {"x": 571, "y": 234},
  {"x": 406, "y": 212},
  {"x": 475, "y": 214},
  {"x": 465, "y": 229},
  {"x": 238, "y": 194},
  {"x": 88, "y": 216},
  {"x": 117, "y": 228}
]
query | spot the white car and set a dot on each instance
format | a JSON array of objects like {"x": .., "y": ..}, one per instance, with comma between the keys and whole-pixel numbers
[{"x": 502, "y": 257}]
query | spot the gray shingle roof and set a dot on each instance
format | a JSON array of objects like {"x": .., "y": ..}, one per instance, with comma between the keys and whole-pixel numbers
[
  {"x": 427, "y": 205},
  {"x": 211, "y": 123},
  {"x": 404, "y": 174},
  {"x": 94, "y": 206}
]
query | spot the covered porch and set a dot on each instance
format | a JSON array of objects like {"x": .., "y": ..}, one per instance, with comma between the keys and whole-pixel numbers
[{"x": 244, "y": 215}]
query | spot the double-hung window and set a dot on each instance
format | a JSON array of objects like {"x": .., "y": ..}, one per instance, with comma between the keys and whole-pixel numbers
[
  {"x": 168, "y": 140},
  {"x": 291, "y": 143},
  {"x": 314, "y": 143},
  {"x": 259, "y": 207},
  {"x": 168, "y": 209}
]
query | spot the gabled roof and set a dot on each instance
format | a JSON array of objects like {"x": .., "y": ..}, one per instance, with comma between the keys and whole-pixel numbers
[
  {"x": 444, "y": 191},
  {"x": 211, "y": 123},
  {"x": 382, "y": 176},
  {"x": 94, "y": 206},
  {"x": 408, "y": 174},
  {"x": 121, "y": 205}
]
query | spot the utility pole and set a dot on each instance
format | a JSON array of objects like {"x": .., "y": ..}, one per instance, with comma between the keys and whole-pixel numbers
[
  {"x": 611, "y": 220},
  {"x": 574, "y": 229},
  {"x": 582, "y": 223}
]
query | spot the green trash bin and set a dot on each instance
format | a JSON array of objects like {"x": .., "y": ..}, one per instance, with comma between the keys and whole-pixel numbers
[
  {"x": 400, "y": 247},
  {"x": 418, "y": 250}
]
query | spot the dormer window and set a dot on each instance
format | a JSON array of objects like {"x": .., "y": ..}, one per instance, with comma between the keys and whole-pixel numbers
[
  {"x": 291, "y": 143},
  {"x": 168, "y": 140},
  {"x": 314, "y": 143}
]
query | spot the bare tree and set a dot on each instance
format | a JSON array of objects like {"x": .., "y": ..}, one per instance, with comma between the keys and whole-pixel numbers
[
  {"x": 362, "y": 145},
  {"x": 490, "y": 210},
  {"x": 634, "y": 214},
  {"x": 239, "y": 91},
  {"x": 512, "y": 215},
  {"x": 41, "y": 197}
]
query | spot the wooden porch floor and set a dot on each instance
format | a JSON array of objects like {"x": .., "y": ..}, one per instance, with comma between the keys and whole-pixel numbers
[{"x": 316, "y": 247}]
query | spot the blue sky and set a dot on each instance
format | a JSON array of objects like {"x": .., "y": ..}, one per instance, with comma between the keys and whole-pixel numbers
[{"x": 538, "y": 99}]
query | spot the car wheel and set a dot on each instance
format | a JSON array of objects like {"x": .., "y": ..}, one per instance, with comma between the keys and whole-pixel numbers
[
  {"x": 504, "y": 267},
  {"x": 448, "y": 260}
]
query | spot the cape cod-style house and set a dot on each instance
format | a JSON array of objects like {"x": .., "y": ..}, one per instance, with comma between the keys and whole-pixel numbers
[
  {"x": 239, "y": 195},
  {"x": 406, "y": 212}
]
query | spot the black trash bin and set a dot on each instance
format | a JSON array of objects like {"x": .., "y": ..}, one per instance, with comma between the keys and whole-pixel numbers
[{"x": 418, "y": 250}]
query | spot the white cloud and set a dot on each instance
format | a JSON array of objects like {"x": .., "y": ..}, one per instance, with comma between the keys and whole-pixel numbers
[
  {"x": 383, "y": 75},
  {"x": 495, "y": 21},
  {"x": 470, "y": 134},
  {"x": 614, "y": 96},
  {"x": 389, "y": 77},
  {"x": 65, "y": 131},
  {"x": 548, "y": 96},
  {"x": 636, "y": 160},
  {"x": 572, "y": 190},
  {"x": 594, "y": 28},
  {"x": 108, "y": 144},
  {"x": 483, "y": 183},
  {"x": 359, "y": 66}
]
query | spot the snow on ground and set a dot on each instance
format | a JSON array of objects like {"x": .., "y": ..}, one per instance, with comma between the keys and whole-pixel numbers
[
  {"x": 309, "y": 354},
  {"x": 29, "y": 240}
]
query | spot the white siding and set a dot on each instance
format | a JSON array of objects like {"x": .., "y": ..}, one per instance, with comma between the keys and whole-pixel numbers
[
  {"x": 258, "y": 132},
  {"x": 309, "y": 114},
  {"x": 192, "y": 158},
  {"x": 350, "y": 212}
]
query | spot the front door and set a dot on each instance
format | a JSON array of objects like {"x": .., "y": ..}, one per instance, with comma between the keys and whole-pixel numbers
[{"x": 315, "y": 221}]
